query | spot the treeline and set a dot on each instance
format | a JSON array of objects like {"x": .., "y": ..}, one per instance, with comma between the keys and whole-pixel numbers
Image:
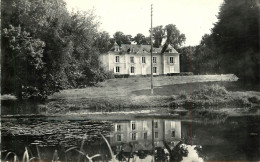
[
  {"x": 170, "y": 33},
  {"x": 233, "y": 45},
  {"x": 45, "y": 48}
]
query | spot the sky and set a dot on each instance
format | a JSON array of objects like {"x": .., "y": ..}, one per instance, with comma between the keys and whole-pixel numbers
[{"x": 194, "y": 18}]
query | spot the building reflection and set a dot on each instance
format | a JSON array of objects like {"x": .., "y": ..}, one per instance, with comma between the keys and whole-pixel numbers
[{"x": 135, "y": 136}]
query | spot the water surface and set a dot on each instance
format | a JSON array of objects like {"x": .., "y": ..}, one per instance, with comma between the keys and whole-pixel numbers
[{"x": 142, "y": 139}]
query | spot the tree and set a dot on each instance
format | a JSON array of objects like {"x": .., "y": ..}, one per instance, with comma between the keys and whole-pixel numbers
[
  {"x": 102, "y": 42},
  {"x": 158, "y": 35},
  {"x": 72, "y": 43},
  {"x": 23, "y": 65},
  {"x": 174, "y": 37},
  {"x": 187, "y": 59},
  {"x": 120, "y": 38},
  {"x": 236, "y": 34},
  {"x": 140, "y": 39}
]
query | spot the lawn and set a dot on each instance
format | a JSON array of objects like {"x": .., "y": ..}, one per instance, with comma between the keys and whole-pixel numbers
[
  {"x": 134, "y": 93},
  {"x": 136, "y": 86}
]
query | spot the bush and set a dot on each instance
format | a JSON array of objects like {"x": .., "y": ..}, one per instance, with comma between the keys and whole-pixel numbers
[
  {"x": 210, "y": 91},
  {"x": 183, "y": 95},
  {"x": 186, "y": 73}
]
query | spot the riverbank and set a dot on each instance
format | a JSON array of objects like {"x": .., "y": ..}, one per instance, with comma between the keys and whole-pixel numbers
[
  {"x": 172, "y": 92},
  {"x": 202, "y": 92}
]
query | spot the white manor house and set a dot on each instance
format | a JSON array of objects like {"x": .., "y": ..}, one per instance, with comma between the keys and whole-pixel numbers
[{"x": 132, "y": 59}]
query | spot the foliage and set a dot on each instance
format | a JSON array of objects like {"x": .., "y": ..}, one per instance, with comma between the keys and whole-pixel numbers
[
  {"x": 236, "y": 34},
  {"x": 121, "y": 38},
  {"x": 174, "y": 37},
  {"x": 158, "y": 35},
  {"x": 210, "y": 91},
  {"x": 140, "y": 39},
  {"x": 23, "y": 64},
  {"x": 102, "y": 42},
  {"x": 71, "y": 42},
  {"x": 187, "y": 58}
]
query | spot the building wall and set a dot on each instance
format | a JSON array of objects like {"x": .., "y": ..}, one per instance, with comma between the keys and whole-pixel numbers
[
  {"x": 162, "y": 64},
  {"x": 168, "y": 65}
]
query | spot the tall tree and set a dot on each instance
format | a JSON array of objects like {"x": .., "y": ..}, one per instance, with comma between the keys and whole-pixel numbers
[
  {"x": 102, "y": 42},
  {"x": 70, "y": 54},
  {"x": 120, "y": 38},
  {"x": 158, "y": 35},
  {"x": 236, "y": 34},
  {"x": 140, "y": 39},
  {"x": 174, "y": 36},
  {"x": 23, "y": 64}
]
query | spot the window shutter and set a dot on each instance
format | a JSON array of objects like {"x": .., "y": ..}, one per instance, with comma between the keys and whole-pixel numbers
[
  {"x": 115, "y": 69},
  {"x": 168, "y": 59},
  {"x": 140, "y": 59},
  {"x": 136, "y": 136}
]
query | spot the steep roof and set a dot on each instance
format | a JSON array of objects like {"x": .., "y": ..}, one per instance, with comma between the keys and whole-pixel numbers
[{"x": 133, "y": 48}]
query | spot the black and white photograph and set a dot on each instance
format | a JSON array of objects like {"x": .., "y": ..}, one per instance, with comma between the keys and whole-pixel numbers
[{"x": 130, "y": 81}]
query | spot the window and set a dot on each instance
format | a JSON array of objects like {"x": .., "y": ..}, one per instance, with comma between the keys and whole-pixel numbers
[
  {"x": 117, "y": 58},
  {"x": 155, "y": 134},
  {"x": 133, "y": 136},
  {"x": 171, "y": 60},
  {"x": 132, "y": 69},
  {"x": 118, "y": 127},
  {"x": 173, "y": 133},
  {"x": 133, "y": 126},
  {"x": 117, "y": 69},
  {"x": 154, "y": 59},
  {"x": 118, "y": 137},
  {"x": 132, "y": 59},
  {"x": 156, "y": 124},
  {"x": 143, "y": 60},
  {"x": 145, "y": 135},
  {"x": 155, "y": 70}
]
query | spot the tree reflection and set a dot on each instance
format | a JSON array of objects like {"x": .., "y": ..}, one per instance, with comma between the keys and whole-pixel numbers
[{"x": 178, "y": 152}]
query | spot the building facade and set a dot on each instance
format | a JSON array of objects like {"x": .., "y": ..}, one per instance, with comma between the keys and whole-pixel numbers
[{"x": 136, "y": 60}]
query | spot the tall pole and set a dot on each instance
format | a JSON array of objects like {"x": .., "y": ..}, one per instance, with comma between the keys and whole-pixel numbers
[{"x": 151, "y": 49}]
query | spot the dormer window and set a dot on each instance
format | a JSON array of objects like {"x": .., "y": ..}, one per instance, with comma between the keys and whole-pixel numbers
[{"x": 132, "y": 59}]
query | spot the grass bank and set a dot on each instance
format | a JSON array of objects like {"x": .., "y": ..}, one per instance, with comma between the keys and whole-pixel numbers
[{"x": 169, "y": 92}]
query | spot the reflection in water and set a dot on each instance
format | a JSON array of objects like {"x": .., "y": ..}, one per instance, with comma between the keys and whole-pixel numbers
[
  {"x": 135, "y": 140},
  {"x": 148, "y": 139},
  {"x": 237, "y": 138}
]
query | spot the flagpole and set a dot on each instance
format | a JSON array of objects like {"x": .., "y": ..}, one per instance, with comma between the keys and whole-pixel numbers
[{"x": 151, "y": 49}]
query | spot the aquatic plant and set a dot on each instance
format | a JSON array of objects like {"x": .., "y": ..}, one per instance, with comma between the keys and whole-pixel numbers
[{"x": 109, "y": 147}]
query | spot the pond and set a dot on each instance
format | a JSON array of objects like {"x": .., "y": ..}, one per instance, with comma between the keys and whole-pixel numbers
[{"x": 137, "y": 139}]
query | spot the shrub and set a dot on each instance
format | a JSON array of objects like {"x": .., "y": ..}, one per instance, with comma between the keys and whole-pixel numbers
[
  {"x": 183, "y": 95},
  {"x": 210, "y": 91}
]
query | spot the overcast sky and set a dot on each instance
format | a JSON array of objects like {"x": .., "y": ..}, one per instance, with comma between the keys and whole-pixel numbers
[{"x": 194, "y": 18}]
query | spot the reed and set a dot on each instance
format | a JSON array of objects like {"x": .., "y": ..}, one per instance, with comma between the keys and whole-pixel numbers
[{"x": 109, "y": 147}]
